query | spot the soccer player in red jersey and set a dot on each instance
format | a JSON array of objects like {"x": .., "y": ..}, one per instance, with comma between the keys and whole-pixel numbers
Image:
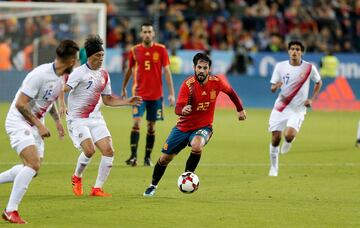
[
  {"x": 195, "y": 107},
  {"x": 146, "y": 61}
]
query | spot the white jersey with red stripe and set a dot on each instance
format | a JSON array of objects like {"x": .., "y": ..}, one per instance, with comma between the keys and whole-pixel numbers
[
  {"x": 87, "y": 87},
  {"x": 295, "y": 88},
  {"x": 43, "y": 86}
]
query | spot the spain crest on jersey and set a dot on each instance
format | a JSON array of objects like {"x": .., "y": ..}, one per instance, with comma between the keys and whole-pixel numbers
[{"x": 156, "y": 56}]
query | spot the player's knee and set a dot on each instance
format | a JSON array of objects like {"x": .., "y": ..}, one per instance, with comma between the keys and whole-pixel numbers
[
  {"x": 164, "y": 160},
  {"x": 196, "y": 148},
  {"x": 289, "y": 137},
  {"x": 109, "y": 152},
  {"x": 89, "y": 152},
  {"x": 151, "y": 128},
  {"x": 197, "y": 144},
  {"x": 275, "y": 141},
  {"x": 135, "y": 128},
  {"x": 35, "y": 165}
]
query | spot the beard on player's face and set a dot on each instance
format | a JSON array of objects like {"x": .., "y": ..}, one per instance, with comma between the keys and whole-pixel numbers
[
  {"x": 68, "y": 70},
  {"x": 147, "y": 40},
  {"x": 200, "y": 77}
]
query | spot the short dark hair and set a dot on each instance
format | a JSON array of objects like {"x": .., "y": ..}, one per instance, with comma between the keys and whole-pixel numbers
[
  {"x": 146, "y": 24},
  {"x": 66, "y": 49},
  {"x": 296, "y": 42},
  {"x": 201, "y": 56},
  {"x": 93, "y": 44}
]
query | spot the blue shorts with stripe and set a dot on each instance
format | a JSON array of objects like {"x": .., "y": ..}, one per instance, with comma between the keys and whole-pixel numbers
[
  {"x": 178, "y": 140},
  {"x": 153, "y": 108}
]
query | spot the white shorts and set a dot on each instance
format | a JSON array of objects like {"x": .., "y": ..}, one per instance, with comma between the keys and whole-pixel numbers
[
  {"x": 85, "y": 128},
  {"x": 280, "y": 120},
  {"x": 23, "y": 135}
]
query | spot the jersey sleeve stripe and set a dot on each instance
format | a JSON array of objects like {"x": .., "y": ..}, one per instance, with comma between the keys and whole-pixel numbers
[
  {"x": 69, "y": 86},
  {"x": 26, "y": 94}
]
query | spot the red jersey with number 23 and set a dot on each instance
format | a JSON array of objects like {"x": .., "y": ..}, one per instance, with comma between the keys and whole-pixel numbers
[
  {"x": 147, "y": 66},
  {"x": 203, "y": 100}
]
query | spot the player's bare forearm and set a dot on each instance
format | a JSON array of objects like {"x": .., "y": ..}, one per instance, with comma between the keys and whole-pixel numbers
[
  {"x": 54, "y": 114},
  {"x": 126, "y": 81},
  {"x": 169, "y": 81},
  {"x": 316, "y": 91},
  {"x": 276, "y": 86},
  {"x": 113, "y": 101},
  {"x": 23, "y": 108},
  {"x": 61, "y": 103},
  {"x": 170, "y": 85}
]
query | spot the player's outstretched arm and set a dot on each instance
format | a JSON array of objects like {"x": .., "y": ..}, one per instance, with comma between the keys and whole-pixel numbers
[
  {"x": 316, "y": 92},
  {"x": 111, "y": 100},
  {"x": 62, "y": 104},
  {"x": 125, "y": 82},
  {"x": 170, "y": 85},
  {"x": 55, "y": 115}
]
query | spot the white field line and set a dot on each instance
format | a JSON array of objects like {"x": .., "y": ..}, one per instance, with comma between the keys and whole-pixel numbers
[{"x": 347, "y": 164}]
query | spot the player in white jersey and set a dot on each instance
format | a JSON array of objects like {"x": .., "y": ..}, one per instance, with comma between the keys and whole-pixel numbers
[
  {"x": 292, "y": 77},
  {"x": 25, "y": 122},
  {"x": 86, "y": 125}
]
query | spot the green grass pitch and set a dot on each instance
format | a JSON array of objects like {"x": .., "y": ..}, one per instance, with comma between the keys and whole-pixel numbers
[{"x": 318, "y": 183}]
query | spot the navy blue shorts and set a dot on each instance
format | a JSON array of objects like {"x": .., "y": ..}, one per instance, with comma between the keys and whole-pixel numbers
[
  {"x": 178, "y": 140},
  {"x": 154, "y": 110}
]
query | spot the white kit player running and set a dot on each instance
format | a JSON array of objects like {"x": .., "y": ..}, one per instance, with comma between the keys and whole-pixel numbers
[
  {"x": 86, "y": 125},
  {"x": 25, "y": 122},
  {"x": 293, "y": 78}
]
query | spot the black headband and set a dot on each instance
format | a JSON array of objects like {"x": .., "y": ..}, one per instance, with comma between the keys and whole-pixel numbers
[{"x": 90, "y": 50}]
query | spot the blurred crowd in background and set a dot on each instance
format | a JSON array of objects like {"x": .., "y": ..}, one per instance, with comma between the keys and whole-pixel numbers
[
  {"x": 236, "y": 25},
  {"x": 261, "y": 25}
]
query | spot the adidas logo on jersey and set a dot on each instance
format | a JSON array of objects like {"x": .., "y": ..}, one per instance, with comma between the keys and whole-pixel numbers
[{"x": 203, "y": 93}]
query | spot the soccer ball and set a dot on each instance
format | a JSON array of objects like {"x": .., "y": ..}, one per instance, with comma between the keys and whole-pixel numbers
[{"x": 188, "y": 182}]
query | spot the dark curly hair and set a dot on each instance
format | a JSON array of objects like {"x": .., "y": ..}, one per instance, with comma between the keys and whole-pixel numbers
[{"x": 201, "y": 56}]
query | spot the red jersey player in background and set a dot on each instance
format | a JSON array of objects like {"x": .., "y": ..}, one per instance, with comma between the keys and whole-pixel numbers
[
  {"x": 195, "y": 107},
  {"x": 146, "y": 61}
]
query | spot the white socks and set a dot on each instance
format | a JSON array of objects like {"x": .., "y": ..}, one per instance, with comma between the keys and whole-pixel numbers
[
  {"x": 82, "y": 162},
  {"x": 286, "y": 146},
  {"x": 21, "y": 183},
  {"x": 358, "y": 132},
  {"x": 10, "y": 174},
  {"x": 274, "y": 155},
  {"x": 104, "y": 171},
  {"x": 104, "y": 168},
  {"x": 274, "y": 160}
]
